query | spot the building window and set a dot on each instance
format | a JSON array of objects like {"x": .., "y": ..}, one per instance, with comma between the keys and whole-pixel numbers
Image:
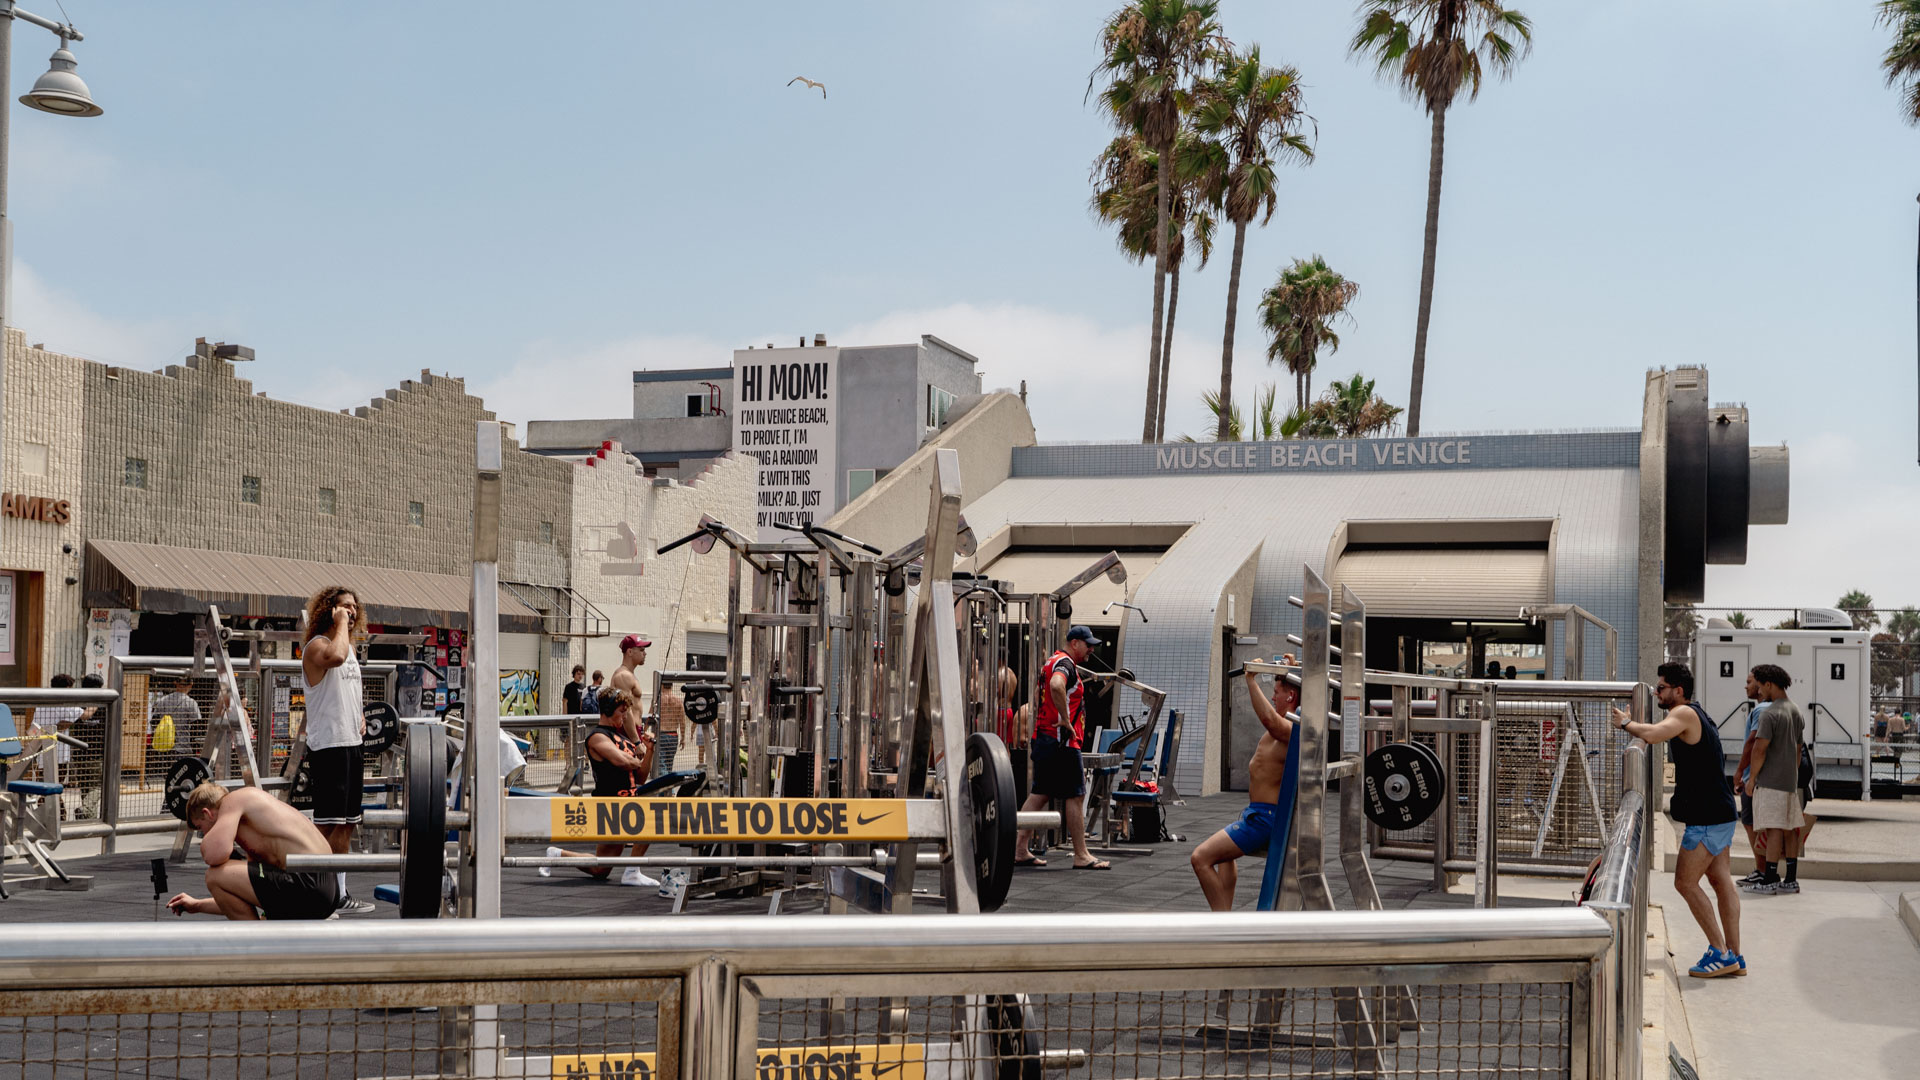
[
  {"x": 417, "y": 514},
  {"x": 546, "y": 532},
  {"x": 136, "y": 474},
  {"x": 696, "y": 405},
  {"x": 33, "y": 459},
  {"x": 938, "y": 402},
  {"x": 250, "y": 490},
  {"x": 329, "y": 501},
  {"x": 859, "y": 480}
]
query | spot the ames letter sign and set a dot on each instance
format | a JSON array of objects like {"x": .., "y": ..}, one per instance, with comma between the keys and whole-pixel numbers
[{"x": 35, "y": 508}]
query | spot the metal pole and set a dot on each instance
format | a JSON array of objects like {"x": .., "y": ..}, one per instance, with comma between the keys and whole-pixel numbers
[
  {"x": 483, "y": 694},
  {"x": 6, "y": 223}
]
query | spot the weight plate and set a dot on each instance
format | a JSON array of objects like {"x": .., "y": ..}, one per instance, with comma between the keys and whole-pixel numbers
[
  {"x": 1016, "y": 1041},
  {"x": 996, "y": 809},
  {"x": 183, "y": 776},
  {"x": 702, "y": 706},
  {"x": 383, "y": 728},
  {"x": 300, "y": 791},
  {"x": 1433, "y": 760},
  {"x": 423, "y": 843},
  {"x": 1403, "y": 786}
]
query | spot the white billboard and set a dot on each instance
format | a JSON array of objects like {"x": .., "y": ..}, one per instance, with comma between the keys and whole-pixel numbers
[{"x": 784, "y": 411}]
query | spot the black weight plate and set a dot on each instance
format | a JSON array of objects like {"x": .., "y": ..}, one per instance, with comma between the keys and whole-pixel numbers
[
  {"x": 183, "y": 776},
  {"x": 1402, "y": 788},
  {"x": 383, "y": 728},
  {"x": 996, "y": 821},
  {"x": 300, "y": 792},
  {"x": 702, "y": 706},
  {"x": 1433, "y": 760},
  {"x": 423, "y": 843},
  {"x": 1016, "y": 1042}
]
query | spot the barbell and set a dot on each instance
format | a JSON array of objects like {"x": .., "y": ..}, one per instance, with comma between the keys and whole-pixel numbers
[
  {"x": 424, "y": 821},
  {"x": 186, "y": 773}
]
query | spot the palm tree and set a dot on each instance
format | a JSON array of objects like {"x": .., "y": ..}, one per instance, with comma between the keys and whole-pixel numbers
[
  {"x": 1683, "y": 623},
  {"x": 1231, "y": 422},
  {"x": 1739, "y": 620},
  {"x": 1859, "y": 608},
  {"x": 1904, "y": 625},
  {"x": 1126, "y": 181},
  {"x": 1298, "y": 313},
  {"x": 1356, "y": 412},
  {"x": 1902, "y": 62},
  {"x": 1248, "y": 115},
  {"x": 1150, "y": 51},
  {"x": 1437, "y": 50}
]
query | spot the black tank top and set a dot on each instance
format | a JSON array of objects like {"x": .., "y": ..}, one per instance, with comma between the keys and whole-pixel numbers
[
  {"x": 610, "y": 780},
  {"x": 1700, "y": 792}
]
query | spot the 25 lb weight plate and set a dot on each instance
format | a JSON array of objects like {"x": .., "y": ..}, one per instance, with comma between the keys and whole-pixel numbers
[
  {"x": 383, "y": 728},
  {"x": 995, "y": 817},
  {"x": 1403, "y": 786},
  {"x": 702, "y": 705},
  {"x": 183, "y": 776}
]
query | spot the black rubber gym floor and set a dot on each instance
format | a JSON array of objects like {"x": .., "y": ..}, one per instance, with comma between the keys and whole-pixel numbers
[{"x": 1162, "y": 881}]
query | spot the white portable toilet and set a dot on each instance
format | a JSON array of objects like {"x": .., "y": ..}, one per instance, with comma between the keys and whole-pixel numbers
[{"x": 1830, "y": 669}]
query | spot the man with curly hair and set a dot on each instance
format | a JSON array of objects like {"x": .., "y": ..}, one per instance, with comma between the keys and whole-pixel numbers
[{"x": 335, "y": 721}]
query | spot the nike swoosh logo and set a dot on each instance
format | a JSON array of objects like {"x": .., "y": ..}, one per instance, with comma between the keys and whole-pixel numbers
[
  {"x": 882, "y": 1070},
  {"x": 858, "y": 820}
]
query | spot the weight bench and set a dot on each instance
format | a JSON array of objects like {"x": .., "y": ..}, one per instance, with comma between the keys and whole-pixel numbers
[{"x": 25, "y": 832}]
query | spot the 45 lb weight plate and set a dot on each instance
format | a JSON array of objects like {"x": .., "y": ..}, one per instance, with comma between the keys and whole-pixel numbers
[
  {"x": 1403, "y": 786},
  {"x": 995, "y": 817},
  {"x": 183, "y": 776},
  {"x": 383, "y": 728}
]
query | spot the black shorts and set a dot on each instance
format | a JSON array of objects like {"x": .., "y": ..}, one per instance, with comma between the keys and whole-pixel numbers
[
  {"x": 334, "y": 777},
  {"x": 1056, "y": 769},
  {"x": 283, "y": 894}
]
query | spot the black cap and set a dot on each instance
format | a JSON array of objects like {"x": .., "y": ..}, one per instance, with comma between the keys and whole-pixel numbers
[{"x": 1081, "y": 633}]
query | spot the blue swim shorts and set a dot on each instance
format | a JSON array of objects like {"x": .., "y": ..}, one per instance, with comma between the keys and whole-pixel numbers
[
  {"x": 1717, "y": 837},
  {"x": 1253, "y": 828}
]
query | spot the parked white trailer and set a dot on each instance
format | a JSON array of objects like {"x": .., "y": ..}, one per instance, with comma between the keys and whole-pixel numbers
[{"x": 1831, "y": 672}]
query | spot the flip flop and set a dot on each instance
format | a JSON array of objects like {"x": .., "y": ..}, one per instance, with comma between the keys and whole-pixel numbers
[
  {"x": 1094, "y": 865},
  {"x": 1029, "y": 862}
]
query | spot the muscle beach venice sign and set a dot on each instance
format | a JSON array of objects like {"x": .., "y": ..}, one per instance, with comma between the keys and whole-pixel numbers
[{"x": 1346, "y": 453}]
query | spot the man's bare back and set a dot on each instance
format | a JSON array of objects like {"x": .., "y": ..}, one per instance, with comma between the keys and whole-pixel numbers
[{"x": 267, "y": 829}]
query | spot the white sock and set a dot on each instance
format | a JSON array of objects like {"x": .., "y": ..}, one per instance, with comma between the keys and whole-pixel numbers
[
  {"x": 636, "y": 876},
  {"x": 552, "y": 853}
]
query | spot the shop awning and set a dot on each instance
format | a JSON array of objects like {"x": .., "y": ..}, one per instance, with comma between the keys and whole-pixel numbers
[{"x": 159, "y": 578}]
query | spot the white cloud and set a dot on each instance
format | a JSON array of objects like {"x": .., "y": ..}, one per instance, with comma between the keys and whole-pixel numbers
[
  {"x": 1085, "y": 381},
  {"x": 47, "y": 314},
  {"x": 555, "y": 381}
]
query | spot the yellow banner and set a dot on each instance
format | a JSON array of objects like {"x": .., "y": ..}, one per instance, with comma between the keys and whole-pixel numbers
[
  {"x": 886, "y": 1061},
  {"x": 750, "y": 821}
]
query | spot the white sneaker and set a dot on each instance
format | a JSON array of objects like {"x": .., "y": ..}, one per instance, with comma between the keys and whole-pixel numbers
[{"x": 633, "y": 876}]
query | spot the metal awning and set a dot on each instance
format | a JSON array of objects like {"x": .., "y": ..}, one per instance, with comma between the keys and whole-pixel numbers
[
  {"x": 564, "y": 612},
  {"x": 159, "y": 578},
  {"x": 1446, "y": 582},
  {"x": 1032, "y": 571}
]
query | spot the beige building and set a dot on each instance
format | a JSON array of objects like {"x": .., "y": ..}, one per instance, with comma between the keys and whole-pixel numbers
[{"x": 136, "y": 498}]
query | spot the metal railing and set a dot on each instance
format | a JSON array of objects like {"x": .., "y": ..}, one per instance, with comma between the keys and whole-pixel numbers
[
  {"x": 1512, "y": 993},
  {"x": 1619, "y": 894}
]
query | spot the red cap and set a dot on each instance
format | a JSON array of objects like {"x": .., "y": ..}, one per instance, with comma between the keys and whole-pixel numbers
[{"x": 634, "y": 641}]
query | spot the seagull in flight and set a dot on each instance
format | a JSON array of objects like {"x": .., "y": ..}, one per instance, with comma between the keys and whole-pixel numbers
[{"x": 820, "y": 86}]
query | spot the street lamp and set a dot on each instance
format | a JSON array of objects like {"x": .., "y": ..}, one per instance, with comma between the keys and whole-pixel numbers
[{"x": 59, "y": 91}]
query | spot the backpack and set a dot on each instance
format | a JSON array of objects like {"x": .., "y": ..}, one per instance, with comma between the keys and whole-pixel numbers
[{"x": 163, "y": 737}]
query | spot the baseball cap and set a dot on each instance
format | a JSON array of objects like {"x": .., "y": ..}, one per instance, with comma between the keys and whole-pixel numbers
[
  {"x": 634, "y": 641},
  {"x": 1081, "y": 633}
]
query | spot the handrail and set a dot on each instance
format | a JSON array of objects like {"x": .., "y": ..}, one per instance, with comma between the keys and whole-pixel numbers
[
  {"x": 50, "y": 955},
  {"x": 33, "y": 697}
]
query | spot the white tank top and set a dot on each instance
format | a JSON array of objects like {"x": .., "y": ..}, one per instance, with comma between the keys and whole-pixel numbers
[{"x": 333, "y": 707}]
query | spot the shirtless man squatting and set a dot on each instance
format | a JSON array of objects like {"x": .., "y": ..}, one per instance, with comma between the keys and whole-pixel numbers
[{"x": 267, "y": 831}]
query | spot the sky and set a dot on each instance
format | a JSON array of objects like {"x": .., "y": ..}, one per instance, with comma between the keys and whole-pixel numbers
[{"x": 543, "y": 198}]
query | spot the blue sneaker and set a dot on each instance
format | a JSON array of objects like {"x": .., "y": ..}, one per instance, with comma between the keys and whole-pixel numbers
[
  {"x": 1714, "y": 963},
  {"x": 1739, "y": 961}
]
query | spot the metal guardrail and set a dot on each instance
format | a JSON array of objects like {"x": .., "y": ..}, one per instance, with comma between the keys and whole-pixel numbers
[{"x": 1151, "y": 994}]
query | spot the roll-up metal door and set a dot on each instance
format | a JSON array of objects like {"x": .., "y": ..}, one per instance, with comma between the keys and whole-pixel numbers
[
  {"x": 1446, "y": 582},
  {"x": 706, "y": 643}
]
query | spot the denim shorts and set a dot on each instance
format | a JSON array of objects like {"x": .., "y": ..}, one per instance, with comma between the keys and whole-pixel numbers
[{"x": 1717, "y": 837}]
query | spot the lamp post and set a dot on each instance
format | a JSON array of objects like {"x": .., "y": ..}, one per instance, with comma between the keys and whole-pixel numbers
[{"x": 60, "y": 92}]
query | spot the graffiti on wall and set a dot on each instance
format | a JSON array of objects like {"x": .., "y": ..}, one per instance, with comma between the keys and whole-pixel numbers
[{"x": 520, "y": 692}]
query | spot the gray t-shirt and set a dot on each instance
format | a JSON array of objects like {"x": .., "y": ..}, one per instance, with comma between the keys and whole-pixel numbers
[{"x": 1784, "y": 729}]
